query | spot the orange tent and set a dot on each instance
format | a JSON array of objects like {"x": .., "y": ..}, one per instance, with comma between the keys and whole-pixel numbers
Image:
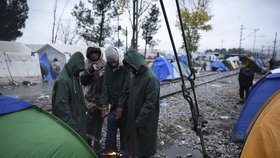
[{"x": 263, "y": 139}]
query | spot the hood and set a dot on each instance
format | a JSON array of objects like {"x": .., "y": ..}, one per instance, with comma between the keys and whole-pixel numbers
[
  {"x": 136, "y": 60},
  {"x": 76, "y": 63},
  {"x": 110, "y": 49},
  {"x": 94, "y": 49}
]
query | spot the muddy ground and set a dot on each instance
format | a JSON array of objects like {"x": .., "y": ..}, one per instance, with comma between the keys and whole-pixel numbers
[{"x": 216, "y": 100}]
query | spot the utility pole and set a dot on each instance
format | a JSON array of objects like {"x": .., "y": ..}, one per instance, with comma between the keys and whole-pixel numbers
[
  {"x": 126, "y": 39},
  {"x": 262, "y": 52},
  {"x": 274, "y": 47},
  {"x": 118, "y": 26},
  {"x": 240, "y": 39},
  {"x": 255, "y": 30},
  {"x": 134, "y": 40}
]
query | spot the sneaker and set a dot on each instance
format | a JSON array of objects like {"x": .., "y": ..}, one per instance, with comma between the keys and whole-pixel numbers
[{"x": 241, "y": 101}]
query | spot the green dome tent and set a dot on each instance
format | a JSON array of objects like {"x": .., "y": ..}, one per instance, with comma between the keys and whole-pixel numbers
[{"x": 27, "y": 131}]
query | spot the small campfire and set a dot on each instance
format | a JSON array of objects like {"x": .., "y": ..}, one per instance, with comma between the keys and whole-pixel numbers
[{"x": 112, "y": 154}]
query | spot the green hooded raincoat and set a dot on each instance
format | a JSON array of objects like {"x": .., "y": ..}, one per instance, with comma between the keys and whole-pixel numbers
[
  {"x": 143, "y": 107},
  {"x": 67, "y": 97}
]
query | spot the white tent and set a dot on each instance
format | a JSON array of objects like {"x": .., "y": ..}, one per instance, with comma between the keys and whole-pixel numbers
[
  {"x": 18, "y": 63},
  {"x": 62, "y": 52}
]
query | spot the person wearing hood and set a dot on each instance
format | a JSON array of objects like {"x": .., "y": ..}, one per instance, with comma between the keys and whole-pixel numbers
[
  {"x": 67, "y": 96},
  {"x": 245, "y": 79},
  {"x": 143, "y": 107},
  {"x": 92, "y": 79},
  {"x": 115, "y": 93}
]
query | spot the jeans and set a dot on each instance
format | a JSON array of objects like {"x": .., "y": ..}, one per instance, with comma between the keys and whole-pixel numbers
[
  {"x": 241, "y": 92},
  {"x": 94, "y": 124},
  {"x": 112, "y": 129}
]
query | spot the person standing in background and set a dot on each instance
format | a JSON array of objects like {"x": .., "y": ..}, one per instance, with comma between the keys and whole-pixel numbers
[
  {"x": 55, "y": 68},
  {"x": 245, "y": 78}
]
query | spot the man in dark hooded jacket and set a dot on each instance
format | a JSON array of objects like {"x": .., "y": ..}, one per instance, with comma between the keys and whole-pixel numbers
[
  {"x": 245, "y": 78},
  {"x": 67, "y": 96},
  {"x": 92, "y": 80},
  {"x": 143, "y": 107},
  {"x": 115, "y": 93}
]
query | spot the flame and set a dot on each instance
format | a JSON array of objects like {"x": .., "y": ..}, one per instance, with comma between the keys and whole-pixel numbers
[{"x": 113, "y": 153}]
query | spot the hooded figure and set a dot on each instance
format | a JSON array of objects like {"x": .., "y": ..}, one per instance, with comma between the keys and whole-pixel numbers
[
  {"x": 92, "y": 80},
  {"x": 115, "y": 92},
  {"x": 67, "y": 96},
  {"x": 143, "y": 106},
  {"x": 245, "y": 78}
]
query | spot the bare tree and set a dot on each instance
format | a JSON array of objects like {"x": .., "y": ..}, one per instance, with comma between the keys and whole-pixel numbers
[
  {"x": 68, "y": 34},
  {"x": 56, "y": 26},
  {"x": 126, "y": 7}
]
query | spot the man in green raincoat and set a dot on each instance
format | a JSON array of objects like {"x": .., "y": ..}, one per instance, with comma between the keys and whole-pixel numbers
[
  {"x": 67, "y": 96},
  {"x": 143, "y": 107}
]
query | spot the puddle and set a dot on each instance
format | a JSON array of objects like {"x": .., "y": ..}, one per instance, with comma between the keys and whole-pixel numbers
[{"x": 182, "y": 152}]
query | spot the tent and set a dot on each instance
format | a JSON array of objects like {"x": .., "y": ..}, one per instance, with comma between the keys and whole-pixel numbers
[
  {"x": 163, "y": 69},
  {"x": 27, "y": 131},
  {"x": 184, "y": 59},
  {"x": 227, "y": 64},
  {"x": 259, "y": 93},
  {"x": 44, "y": 60},
  {"x": 185, "y": 69},
  {"x": 263, "y": 138},
  {"x": 218, "y": 66},
  {"x": 18, "y": 63}
]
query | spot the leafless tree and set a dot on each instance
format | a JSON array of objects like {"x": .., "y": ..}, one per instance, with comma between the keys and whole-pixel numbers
[
  {"x": 56, "y": 26},
  {"x": 68, "y": 34}
]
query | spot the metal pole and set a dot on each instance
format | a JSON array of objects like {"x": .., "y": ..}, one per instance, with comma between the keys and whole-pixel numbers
[
  {"x": 240, "y": 40},
  {"x": 118, "y": 30},
  {"x": 135, "y": 25},
  {"x": 126, "y": 39},
  {"x": 274, "y": 47},
  {"x": 255, "y": 31}
]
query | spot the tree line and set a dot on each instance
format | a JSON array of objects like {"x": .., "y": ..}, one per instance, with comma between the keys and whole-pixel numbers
[{"x": 94, "y": 18}]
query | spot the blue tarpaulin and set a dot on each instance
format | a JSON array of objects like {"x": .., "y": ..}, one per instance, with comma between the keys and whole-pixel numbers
[
  {"x": 218, "y": 66},
  {"x": 162, "y": 68},
  {"x": 184, "y": 59},
  {"x": 10, "y": 104},
  {"x": 259, "y": 93},
  {"x": 44, "y": 60}
]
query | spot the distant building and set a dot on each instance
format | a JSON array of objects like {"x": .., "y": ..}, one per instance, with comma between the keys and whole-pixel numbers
[{"x": 151, "y": 53}]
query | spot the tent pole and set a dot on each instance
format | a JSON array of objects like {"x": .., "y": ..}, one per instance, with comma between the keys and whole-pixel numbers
[{"x": 8, "y": 67}]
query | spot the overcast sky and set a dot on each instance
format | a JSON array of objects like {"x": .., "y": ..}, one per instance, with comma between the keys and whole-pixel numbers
[{"x": 228, "y": 16}]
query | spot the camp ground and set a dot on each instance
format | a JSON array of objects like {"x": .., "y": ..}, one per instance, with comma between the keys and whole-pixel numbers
[
  {"x": 259, "y": 94},
  {"x": 18, "y": 63},
  {"x": 263, "y": 134},
  {"x": 27, "y": 131}
]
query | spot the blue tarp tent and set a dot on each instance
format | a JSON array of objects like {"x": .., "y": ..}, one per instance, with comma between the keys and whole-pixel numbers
[
  {"x": 44, "y": 60},
  {"x": 11, "y": 104},
  {"x": 162, "y": 68},
  {"x": 260, "y": 92},
  {"x": 184, "y": 59},
  {"x": 218, "y": 66}
]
